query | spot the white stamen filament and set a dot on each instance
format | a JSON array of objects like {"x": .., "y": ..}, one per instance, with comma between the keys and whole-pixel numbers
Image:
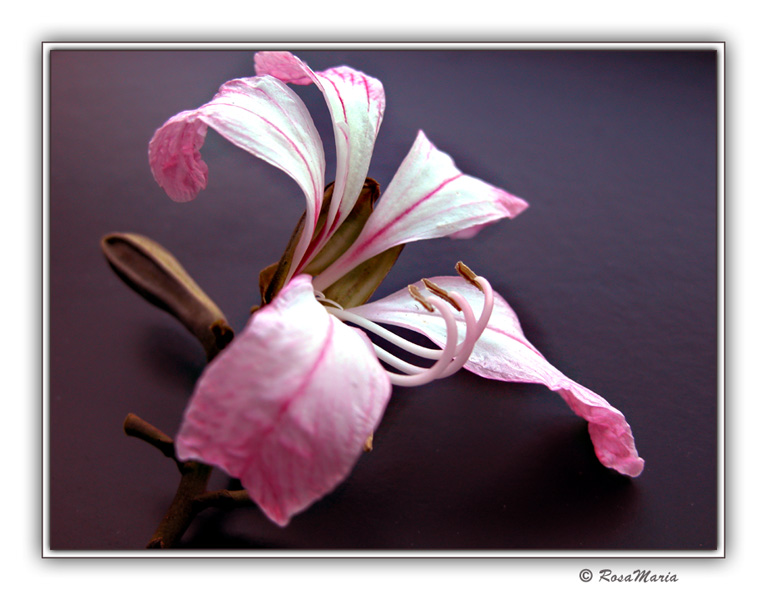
[
  {"x": 433, "y": 372},
  {"x": 384, "y": 333},
  {"x": 449, "y": 359},
  {"x": 321, "y": 298},
  {"x": 472, "y": 324},
  {"x": 472, "y": 334},
  {"x": 396, "y": 361}
]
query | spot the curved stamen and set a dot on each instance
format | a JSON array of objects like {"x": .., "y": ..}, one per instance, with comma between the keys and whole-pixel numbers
[
  {"x": 454, "y": 355},
  {"x": 321, "y": 299},
  {"x": 472, "y": 335},
  {"x": 396, "y": 361},
  {"x": 474, "y": 327},
  {"x": 445, "y": 359},
  {"x": 408, "y": 346},
  {"x": 487, "y": 308}
]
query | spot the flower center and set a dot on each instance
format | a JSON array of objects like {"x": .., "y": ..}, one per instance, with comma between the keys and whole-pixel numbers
[{"x": 453, "y": 355}]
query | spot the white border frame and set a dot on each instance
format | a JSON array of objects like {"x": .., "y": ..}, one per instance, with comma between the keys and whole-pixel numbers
[{"x": 47, "y": 47}]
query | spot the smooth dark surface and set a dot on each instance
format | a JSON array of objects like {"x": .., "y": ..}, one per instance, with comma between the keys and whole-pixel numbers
[{"x": 612, "y": 271}]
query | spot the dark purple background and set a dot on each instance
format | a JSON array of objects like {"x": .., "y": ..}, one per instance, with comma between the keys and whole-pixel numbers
[{"x": 612, "y": 271}]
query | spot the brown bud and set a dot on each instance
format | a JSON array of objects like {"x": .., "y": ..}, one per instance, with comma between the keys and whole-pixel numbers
[{"x": 155, "y": 274}]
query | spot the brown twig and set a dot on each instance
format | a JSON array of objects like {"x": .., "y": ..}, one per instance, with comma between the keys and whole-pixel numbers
[
  {"x": 135, "y": 426},
  {"x": 191, "y": 496},
  {"x": 223, "y": 499},
  {"x": 184, "y": 508}
]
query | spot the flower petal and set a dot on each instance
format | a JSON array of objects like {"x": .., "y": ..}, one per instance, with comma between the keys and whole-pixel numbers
[
  {"x": 287, "y": 407},
  {"x": 503, "y": 352},
  {"x": 356, "y": 102},
  {"x": 428, "y": 198},
  {"x": 258, "y": 114}
]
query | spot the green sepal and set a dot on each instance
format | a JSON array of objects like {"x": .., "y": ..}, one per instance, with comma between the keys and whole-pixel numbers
[{"x": 358, "y": 285}]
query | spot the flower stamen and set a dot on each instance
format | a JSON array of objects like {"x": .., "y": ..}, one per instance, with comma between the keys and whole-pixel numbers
[
  {"x": 382, "y": 332},
  {"x": 472, "y": 335},
  {"x": 467, "y": 274},
  {"x": 445, "y": 359},
  {"x": 326, "y": 301},
  {"x": 454, "y": 355},
  {"x": 438, "y": 291},
  {"x": 419, "y": 297}
]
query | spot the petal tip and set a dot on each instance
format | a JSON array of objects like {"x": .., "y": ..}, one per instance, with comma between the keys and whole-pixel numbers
[
  {"x": 174, "y": 157},
  {"x": 630, "y": 468},
  {"x": 282, "y": 65},
  {"x": 636, "y": 468}
]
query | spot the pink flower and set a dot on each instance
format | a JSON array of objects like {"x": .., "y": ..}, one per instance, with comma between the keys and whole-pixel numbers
[{"x": 288, "y": 405}]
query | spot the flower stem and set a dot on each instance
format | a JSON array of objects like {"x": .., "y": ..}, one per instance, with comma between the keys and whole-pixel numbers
[
  {"x": 191, "y": 496},
  {"x": 183, "y": 509}
]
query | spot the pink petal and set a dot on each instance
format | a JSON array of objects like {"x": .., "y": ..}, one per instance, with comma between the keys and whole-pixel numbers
[
  {"x": 174, "y": 156},
  {"x": 260, "y": 115},
  {"x": 287, "y": 407},
  {"x": 356, "y": 102},
  {"x": 504, "y": 353},
  {"x": 428, "y": 198}
]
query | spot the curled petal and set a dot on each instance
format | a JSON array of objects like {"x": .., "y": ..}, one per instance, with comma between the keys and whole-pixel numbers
[
  {"x": 503, "y": 352},
  {"x": 258, "y": 114},
  {"x": 174, "y": 156},
  {"x": 427, "y": 198},
  {"x": 288, "y": 406},
  {"x": 356, "y": 102}
]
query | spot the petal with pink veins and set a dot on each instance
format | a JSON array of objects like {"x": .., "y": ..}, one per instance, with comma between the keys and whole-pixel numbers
[
  {"x": 288, "y": 406},
  {"x": 356, "y": 102},
  {"x": 427, "y": 198},
  {"x": 258, "y": 114},
  {"x": 503, "y": 352}
]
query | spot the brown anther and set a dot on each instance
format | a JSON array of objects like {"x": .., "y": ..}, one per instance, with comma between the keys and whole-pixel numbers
[
  {"x": 420, "y": 298},
  {"x": 438, "y": 291},
  {"x": 468, "y": 275}
]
